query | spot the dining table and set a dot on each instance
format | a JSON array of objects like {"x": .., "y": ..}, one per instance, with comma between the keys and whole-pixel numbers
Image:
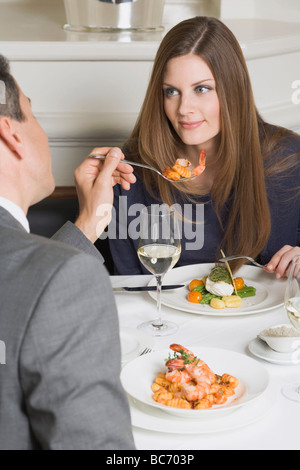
[{"x": 273, "y": 426}]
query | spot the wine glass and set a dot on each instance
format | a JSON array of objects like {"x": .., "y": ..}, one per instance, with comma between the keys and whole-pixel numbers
[
  {"x": 292, "y": 306},
  {"x": 159, "y": 249}
]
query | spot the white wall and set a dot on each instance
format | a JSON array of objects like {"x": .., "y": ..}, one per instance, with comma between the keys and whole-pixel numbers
[
  {"x": 179, "y": 10},
  {"x": 282, "y": 10}
]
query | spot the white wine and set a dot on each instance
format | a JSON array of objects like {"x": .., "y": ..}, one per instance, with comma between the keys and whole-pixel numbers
[
  {"x": 293, "y": 310},
  {"x": 159, "y": 250},
  {"x": 159, "y": 259}
]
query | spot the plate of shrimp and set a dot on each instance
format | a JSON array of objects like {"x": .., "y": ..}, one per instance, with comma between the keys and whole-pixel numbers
[{"x": 196, "y": 383}]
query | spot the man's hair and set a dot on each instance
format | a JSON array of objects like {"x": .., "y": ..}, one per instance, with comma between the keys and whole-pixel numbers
[{"x": 10, "y": 105}]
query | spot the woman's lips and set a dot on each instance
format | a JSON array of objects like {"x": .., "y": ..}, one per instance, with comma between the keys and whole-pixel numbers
[{"x": 190, "y": 125}]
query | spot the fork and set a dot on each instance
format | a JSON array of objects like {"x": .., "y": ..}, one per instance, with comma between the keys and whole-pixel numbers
[
  {"x": 230, "y": 258},
  {"x": 146, "y": 351},
  {"x": 102, "y": 157}
]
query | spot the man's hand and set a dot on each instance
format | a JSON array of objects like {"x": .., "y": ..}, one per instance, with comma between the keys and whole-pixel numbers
[{"x": 94, "y": 181}]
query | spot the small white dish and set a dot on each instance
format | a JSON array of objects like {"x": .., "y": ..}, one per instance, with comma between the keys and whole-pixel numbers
[
  {"x": 260, "y": 349},
  {"x": 281, "y": 338}
]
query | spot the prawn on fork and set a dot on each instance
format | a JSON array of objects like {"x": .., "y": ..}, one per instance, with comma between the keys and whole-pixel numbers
[{"x": 181, "y": 168}]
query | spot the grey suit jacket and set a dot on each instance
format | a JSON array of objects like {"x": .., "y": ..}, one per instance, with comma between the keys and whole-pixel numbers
[{"x": 60, "y": 387}]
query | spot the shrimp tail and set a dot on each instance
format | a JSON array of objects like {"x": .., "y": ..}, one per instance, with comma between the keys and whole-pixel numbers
[
  {"x": 199, "y": 169},
  {"x": 175, "y": 363},
  {"x": 179, "y": 348}
]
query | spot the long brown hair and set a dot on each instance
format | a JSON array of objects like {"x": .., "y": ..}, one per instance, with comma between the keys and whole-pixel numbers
[{"x": 240, "y": 177}]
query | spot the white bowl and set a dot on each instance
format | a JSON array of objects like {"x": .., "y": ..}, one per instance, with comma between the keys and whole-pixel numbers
[{"x": 284, "y": 342}]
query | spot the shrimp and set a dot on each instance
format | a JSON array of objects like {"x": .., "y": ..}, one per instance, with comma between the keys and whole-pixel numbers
[
  {"x": 201, "y": 377},
  {"x": 177, "y": 376},
  {"x": 195, "y": 392},
  {"x": 197, "y": 369},
  {"x": 170, "y": 174},
  {"x": 166, "y": 171},
  {"x": 181, "y": 349},
  {"x": 176, "y": 367},
  {"x": 198, "y": 170},
  {"x": 182, "y": 162},
  {"x": 182, "y": 171},
  {"x": 200, "y": 372},
  {"x": 175, "y": 364},
  {"x": 179, "y": 362},
  {"x": 179, "y": 170}
]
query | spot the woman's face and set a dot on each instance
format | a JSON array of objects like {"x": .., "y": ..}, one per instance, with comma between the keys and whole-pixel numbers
[{"x": 191, "y": 102}]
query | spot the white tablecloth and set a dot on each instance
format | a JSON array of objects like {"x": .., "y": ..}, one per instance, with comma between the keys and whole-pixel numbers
[{"x": 278, "y": 429}]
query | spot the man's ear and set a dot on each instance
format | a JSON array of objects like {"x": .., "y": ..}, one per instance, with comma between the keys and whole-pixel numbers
[{"x": 10, "y": 136}]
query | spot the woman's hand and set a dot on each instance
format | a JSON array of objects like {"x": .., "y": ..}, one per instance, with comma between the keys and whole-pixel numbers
[
  {"x": 94, "y": 181},
  {"x": 281, "y": 261}
]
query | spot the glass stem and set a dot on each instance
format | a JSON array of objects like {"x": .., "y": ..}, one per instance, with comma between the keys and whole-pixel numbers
[{"x": 158, "y": 322}]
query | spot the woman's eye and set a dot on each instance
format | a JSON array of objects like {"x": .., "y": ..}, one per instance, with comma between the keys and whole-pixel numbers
[
  {"x": 202, "y": 89},
  {"x": 170, "y": 92}
]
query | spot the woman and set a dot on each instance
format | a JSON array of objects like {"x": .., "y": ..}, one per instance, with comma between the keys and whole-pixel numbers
[{"x": 200, "y": 97}]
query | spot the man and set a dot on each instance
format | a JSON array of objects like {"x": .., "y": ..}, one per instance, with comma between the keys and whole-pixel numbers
[{"x": 60, "y": 387}]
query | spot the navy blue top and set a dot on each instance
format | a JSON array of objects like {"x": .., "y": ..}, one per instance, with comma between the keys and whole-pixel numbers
[{"x": 201, "y": 242}]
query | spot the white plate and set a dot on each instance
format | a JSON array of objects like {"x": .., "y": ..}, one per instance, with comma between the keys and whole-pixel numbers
[
  {"x": 269, "y": 291},
  {"x": 260, "y": 349},
  {"x": 133, "y": 343},
  {"x": 138, "y": 375},
  {"x": 152, "y": 419}
]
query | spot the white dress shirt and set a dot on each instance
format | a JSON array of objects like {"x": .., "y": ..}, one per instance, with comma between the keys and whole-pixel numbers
[{"x": 15, "y": 211}]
